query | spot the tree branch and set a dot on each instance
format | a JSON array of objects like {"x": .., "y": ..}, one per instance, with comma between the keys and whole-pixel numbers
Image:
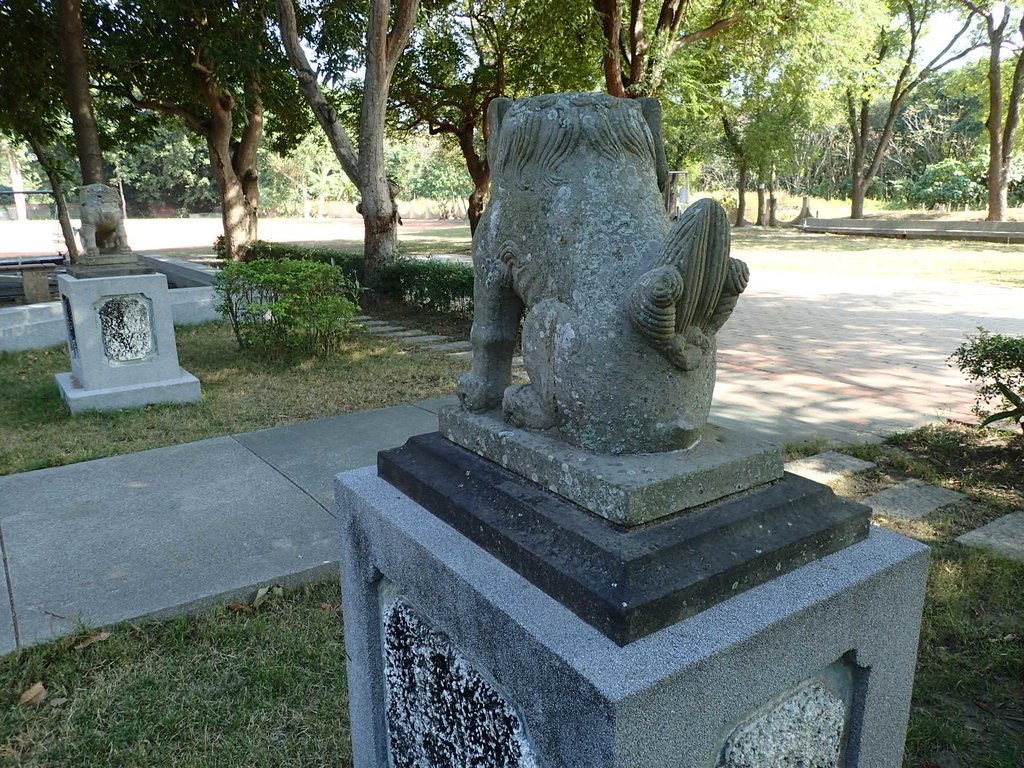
[{"x": 325, "y": 113}]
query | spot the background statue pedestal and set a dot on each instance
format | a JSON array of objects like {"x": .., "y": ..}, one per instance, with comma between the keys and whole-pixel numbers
[
  {"x": 121, "y": 342},
  {"x": 815, "y": 663}
]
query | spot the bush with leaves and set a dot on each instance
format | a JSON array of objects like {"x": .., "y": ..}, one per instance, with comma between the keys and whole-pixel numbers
[
  {"x": 995, "y": 363},
  {"x": 949, "y": 182},
  {"x": 282, "y": 306},
  {"x": 440, "y": 286}
]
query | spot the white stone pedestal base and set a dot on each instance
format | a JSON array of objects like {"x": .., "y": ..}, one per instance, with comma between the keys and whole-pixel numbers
[
  {"x": 455, "y": 659},
  {"x": 121, "y": 343}
]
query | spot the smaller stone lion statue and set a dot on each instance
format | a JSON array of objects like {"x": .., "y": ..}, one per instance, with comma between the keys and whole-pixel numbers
[
  {"x": 619, "y": 305},
  {"x": 102, "y": 228}
]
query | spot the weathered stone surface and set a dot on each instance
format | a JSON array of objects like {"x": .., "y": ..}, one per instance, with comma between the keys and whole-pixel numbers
[
  {"x": 102, "y": 230},
  {"x": 621, "y": 306},
  {"x": 912, "y": 500},
  {"x": 440, "y": 710},
  {"x": 121, "y": 341},
  {"x": 669, "y": 699},
  {"x": 827, "y": 467},
  {"x": 627, "y": 489},
  {"x": 1005, "y": 536},
  {"x": 126, "y": 327},
  {"x": 804, "y": 729},
  {"x": 626, "y": 582}
]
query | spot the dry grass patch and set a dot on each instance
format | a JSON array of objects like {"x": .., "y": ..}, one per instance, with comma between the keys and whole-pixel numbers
[{"x": 240, "y": 394}]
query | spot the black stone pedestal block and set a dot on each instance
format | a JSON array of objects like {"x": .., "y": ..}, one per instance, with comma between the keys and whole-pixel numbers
[{"x": 625, "y": 582}]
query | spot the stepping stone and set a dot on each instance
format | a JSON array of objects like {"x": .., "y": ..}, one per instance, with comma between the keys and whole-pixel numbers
[
  {"x": 466, "y": 355},
  {"x": 380, "y": 330},
  {"x": 912, "y": 500},
  {"x": 365, "y": 319},
  {"x": 518, "y": 362},
  {"x": 424, "y": 339},
  {"x": 1005, "y": 536},
  {"x": 827, "y": 467},
  {"x": 451, "y": 346},
  {"x": 403, "y": 333}
]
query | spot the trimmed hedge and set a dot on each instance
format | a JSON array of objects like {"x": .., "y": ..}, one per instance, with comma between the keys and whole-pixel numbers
[{"x": 439, "y": 286}]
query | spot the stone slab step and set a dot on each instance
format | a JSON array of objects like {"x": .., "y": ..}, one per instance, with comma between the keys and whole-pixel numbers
[
  {"x": 912, "y": 500},
  {"x": 380, "y": 330},
  {"x": 451, "y": 346},
  {"x": 1005, "y": 536},
  {"x": 464, "y": 355},
  {"x": 426, "y": 338},
  {"x": 828, "y": 467},
  {"x": 403, "y": 333}
]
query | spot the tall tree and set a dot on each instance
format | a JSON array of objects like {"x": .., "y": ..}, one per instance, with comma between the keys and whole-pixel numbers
[
  {"x": 640, "y": 39},
  {"x": 32, "y": 95},
  {"x": 78, "y": 91},
  {"x": 466, "y": 53},
  {"x": 897, "y": 47},
  {"x": 388, "y": 28},
  {"x": 1003, "y": 29},
  {"x": 215, "y": 67}
]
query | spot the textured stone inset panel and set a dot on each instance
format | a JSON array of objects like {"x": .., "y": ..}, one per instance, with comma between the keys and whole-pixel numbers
[
  {"x": 70, "y": 320},
  {"x": 440, "y": 711},
  {"x": 127, "y": 328},
  {"x": 802, "y": 730}
]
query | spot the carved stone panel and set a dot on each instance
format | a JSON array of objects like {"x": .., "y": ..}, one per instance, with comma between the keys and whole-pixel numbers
[
  {"x": 803, "y": 729},
  {"x": 440, "y": 710},
  {"x": 69, "y": 318},
  {"x": 127, "y": 328}
]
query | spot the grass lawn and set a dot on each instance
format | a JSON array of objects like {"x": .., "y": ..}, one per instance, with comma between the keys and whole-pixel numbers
[
  {"x": 264, "y": 686},
  {"x": 240, "y": 394}
]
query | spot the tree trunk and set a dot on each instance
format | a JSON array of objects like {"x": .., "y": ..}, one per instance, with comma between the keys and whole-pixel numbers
[
  {"x": 58, "y": 196},
  {"x": 857, "y": 193},
  {"x": 76, "y": 86},
  {"x": 479, "y": 171},
  {"x": 238, "y": 212},
  {"x": 17, "y": 184},
  {"x": 773, "y": 204},
  {"x": 741, "y": 198},
  {"x": 762, "y": 207}
]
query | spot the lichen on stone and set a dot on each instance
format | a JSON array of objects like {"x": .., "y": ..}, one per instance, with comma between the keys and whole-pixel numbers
[{"x": 441, "y": 712}]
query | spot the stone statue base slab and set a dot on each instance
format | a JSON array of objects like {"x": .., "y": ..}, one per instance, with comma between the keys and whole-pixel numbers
[
  {"x": 455, "y": 659},
  {"x": 630, "y": 489},
  {"x": 121, "y": 343},
  {"x": 107, "y": 265},
  {"x": 183, "y": 389},
  {"x": 626, "y": 582}
]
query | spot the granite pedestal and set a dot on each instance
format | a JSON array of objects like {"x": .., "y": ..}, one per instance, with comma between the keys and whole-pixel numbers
[
  {"x": 455, "y": 658},
  {"x": 121, "y": 343}
]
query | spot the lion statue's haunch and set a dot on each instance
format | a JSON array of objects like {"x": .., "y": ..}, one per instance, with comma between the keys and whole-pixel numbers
[
  {"x": 102, "y": 221},
  {"x": 621, "y": 305}
]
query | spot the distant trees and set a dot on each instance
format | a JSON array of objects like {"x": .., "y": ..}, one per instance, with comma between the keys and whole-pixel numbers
[
  {"x": 218, "y": 70},
  {"x": 388, "y": 28},
  {"x": 1004, "y": 30},
  {"x": 466, "y": 53},
  {"x": 897, "y": 48}
]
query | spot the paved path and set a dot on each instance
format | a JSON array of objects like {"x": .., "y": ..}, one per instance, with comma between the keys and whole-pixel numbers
[
  {"x": 178, "y": 528},
  {"x": 808, "y": 355}
]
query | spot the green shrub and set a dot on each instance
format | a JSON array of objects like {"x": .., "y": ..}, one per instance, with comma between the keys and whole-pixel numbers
[
  {"x": 949, "y": 182},
  {"x": 440, "y": 286},
  {"x": 277, "y": 306},
  {"x": 996, "y": 364}
]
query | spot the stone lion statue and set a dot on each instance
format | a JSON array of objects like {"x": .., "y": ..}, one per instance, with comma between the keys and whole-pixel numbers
[
  {"x": 102, "y": 221},
  {"x": 621, "y": 304}
]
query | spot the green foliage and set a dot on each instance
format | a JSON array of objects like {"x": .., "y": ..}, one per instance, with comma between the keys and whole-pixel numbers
[
  {"x": 949, "y": 182},
  {"x": 172, "y": 168},
  {"x": 440, "y": 286},
  {"x": 995, "y": 363},
  {"x": 278, "y": 306}
]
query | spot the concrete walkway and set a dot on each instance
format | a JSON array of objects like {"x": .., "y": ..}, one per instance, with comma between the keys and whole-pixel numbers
[
  {"x": 175, "y": 529},
  {"x": 179, "y": 528}
]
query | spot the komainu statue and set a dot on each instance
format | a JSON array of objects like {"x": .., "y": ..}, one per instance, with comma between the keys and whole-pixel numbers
[
  {"x": 621, "y": 304},
  {"x": 102, "y": 221}
]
